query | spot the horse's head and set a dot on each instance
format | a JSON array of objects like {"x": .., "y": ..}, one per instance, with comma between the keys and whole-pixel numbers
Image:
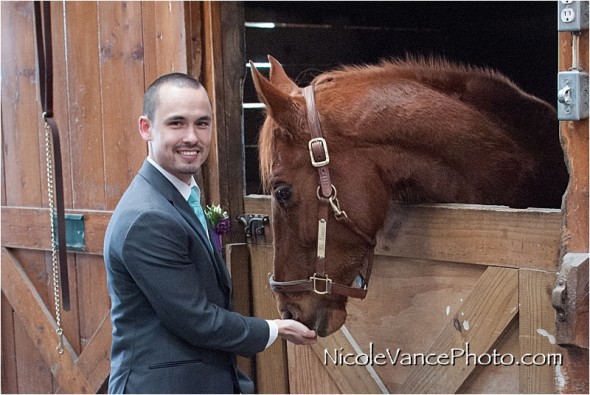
[{"x": 327, "y": 198}]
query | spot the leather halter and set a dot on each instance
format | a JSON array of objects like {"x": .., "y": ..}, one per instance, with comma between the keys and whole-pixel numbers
[{"x": 320, "y": 282}]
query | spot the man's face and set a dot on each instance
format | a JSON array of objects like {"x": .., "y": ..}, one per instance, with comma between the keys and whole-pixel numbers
[{"x": 180, "y": 133}]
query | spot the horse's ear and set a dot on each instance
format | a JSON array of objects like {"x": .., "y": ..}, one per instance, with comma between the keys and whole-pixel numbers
[
  {"x": 279, "y": 78},
  {"x": 280, "y": 105}
]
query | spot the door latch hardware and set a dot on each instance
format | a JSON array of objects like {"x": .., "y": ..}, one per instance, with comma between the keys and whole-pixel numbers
[
  {"x": 254, "y": 224},
  {"x": 75, "y": 235},
  {"x": 559, "y": 299}
]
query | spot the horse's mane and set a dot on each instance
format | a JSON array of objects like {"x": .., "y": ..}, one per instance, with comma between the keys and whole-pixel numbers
[
  {"x": 440, "y": 74},
  {"x": 432, "y": 71}
]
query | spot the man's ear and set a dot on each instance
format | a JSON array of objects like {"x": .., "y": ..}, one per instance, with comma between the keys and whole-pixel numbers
[{"x": 145, "y": 128}]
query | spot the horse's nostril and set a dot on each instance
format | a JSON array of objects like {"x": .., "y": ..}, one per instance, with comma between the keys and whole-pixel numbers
[{"x": 286, "y": 315}]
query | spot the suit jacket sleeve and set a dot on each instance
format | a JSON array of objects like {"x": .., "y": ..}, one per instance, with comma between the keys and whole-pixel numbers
[{"x": 159, "y": 252}]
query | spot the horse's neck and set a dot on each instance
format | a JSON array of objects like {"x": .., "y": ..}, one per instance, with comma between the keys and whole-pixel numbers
[{"x": 468, "y": 172}]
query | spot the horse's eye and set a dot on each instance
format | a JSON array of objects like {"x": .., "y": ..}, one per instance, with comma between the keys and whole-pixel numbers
[{"x": 283, "y": 194}]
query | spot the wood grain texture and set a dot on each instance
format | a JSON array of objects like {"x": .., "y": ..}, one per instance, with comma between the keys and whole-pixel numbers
[
  {"x": 488, "y": 235},
  {"x": 483, "y": 318},
  {"x": 537, "y": 330},
  {"x": 40, "y": 326},
  {"x": 271, "y": 364}
]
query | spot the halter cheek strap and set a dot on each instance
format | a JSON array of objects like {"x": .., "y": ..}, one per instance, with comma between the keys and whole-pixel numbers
[{"x": 320, "y": 282}]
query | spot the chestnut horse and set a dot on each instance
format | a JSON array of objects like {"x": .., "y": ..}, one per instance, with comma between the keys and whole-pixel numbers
[{"x": 337, "y": 152}]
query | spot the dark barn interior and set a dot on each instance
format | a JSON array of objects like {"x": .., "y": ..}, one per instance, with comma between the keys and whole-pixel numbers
[{"x": 518, "y": 39}]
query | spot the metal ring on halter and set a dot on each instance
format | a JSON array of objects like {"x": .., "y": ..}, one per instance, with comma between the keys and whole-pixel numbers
[
  {"x": 332, "y": 195},
  {"x": 334, "y": 203}
]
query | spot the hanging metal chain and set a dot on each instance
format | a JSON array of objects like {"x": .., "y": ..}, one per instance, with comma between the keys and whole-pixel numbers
[{"x": 54, "y": 247}]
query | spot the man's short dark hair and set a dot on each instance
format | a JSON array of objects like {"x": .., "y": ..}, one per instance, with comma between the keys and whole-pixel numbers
[{"x": 179, "y": 80}]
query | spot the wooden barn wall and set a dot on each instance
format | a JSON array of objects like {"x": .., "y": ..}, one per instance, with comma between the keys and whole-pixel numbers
[
  {"x": 105, "y": 54},
  {"x": 575, "y": 232}
]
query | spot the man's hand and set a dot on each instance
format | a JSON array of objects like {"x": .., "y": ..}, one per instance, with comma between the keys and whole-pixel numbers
[{"x": 296, "y": 332}]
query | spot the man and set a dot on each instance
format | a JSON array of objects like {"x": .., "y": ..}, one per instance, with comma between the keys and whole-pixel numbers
[{"x": 173, "y": 328}]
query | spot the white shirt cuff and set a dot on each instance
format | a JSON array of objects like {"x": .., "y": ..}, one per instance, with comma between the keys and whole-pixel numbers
[{"x": 273, "y": 334}]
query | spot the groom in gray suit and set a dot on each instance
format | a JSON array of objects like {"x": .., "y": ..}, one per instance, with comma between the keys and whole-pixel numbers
[{"x": 174, "y": 330}]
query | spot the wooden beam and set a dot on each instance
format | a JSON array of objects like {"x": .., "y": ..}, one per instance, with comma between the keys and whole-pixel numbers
[
  {"x": 29, "y": 228},
  {"x": 570, "y": 298},
  {"x": 95, "y": 361},
  {"x": 486, "y": 235},
  {"x": 575, "y": 232},
  {"x": 238, "y": 264},
  {"x": 536, "y": 331},
  {"x": 271, "y": 365},
  {"x": 482, "y": 318},
  {"x": 41, "y": 327},
  {"x": 474, "y": 234},
  {"x": 223, "y": 75}
]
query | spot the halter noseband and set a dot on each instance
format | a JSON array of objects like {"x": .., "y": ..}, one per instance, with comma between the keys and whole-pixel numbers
[{"x": 320, "y": 282}]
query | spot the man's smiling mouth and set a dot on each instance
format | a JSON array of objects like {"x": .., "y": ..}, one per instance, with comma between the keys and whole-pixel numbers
[{"x": 188, "y": 152}]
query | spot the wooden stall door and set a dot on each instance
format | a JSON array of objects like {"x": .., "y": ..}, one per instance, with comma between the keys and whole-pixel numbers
[
  {"x": 453, "y": 275},
  {"x": 104, "y": 55}
]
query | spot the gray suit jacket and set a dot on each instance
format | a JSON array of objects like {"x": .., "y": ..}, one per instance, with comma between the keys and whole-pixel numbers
[{"x": 173, "y": 328}]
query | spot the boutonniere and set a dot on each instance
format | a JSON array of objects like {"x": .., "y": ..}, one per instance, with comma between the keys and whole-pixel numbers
[{"x": 219, "y": 221}]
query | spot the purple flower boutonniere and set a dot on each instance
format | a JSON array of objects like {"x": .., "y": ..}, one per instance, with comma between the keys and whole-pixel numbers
[{"x": 219, "y": 221}]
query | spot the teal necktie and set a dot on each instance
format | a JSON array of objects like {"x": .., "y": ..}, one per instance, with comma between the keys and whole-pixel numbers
[{"x": 194, "y": 201}]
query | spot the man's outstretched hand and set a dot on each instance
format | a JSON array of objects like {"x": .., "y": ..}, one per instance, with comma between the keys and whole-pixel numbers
[{"x": 296, "y": 332}]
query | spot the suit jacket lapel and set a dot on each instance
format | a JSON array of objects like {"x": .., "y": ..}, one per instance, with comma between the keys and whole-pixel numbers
[{"x": 165, "y": 187}]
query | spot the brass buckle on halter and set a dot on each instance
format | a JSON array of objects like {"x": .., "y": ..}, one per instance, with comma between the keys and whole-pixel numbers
[
  {"x": 327, "y": 286},
  {"x": 324, "y": 148}
]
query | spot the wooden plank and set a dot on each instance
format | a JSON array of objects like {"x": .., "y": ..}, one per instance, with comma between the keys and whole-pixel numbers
[
  {"x": 164, "y": 38},
  {"x": 94, "y": 362},
  {"x": 307, "y": 374},
  {"x": 194, "y": 41},
  {"x": 350, "y": 379},
  {"x": 271, "y": 365},
  {"x": 408, "y": 305},
  {"x": 211, "y": 79},
  {"x": 572, "y": 319},
  {"x": 93, "y": 298},
  {"x": 483, "y": 317},
  {"x": 40, "y": 326},
  {"x": 537, "y": 330},
  {"x": 121, "y": 59},
  {"x": 8, "y": 355},
  {"x": 575, "y": 232},
  {"x": 497, "y": 379},
  {"x": 229, "y": 55},
  {"x": 29, "y": 228},
  {"x": 488, "y": 235},
  {"x": 84, "y": 106},
  {"x": 238, "y": 263},
  {"x": 32, "y": 376},
  {"x": 574, "y": 140},
  {"x": 21, "y": 115},
  {"x": 311, "y": 369},
  {"x": 60, "y": 104},
  {"x": 477, "y": 234}
]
